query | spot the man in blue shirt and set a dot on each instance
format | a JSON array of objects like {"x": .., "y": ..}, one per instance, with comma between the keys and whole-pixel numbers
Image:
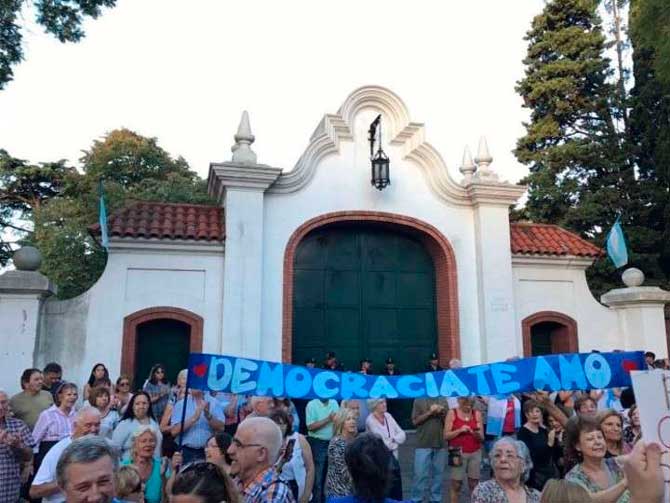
[{"x": 204, "y": 417}]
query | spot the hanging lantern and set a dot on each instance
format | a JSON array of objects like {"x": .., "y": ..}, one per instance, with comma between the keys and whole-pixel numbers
[{"x": 381, "y": 176}]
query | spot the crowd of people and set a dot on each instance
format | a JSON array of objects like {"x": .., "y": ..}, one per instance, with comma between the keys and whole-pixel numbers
[{"x": 116, "y": 442}]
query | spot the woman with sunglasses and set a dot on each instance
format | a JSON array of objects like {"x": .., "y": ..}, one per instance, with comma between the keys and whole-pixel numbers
[
  {"x": 158, "y": 388},
  {"x": 122, "y": 394}
]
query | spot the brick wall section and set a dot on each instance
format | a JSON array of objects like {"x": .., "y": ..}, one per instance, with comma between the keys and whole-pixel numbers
[
  {"x": 435, "y": 242},
  {"x": 130, "y": 323}
]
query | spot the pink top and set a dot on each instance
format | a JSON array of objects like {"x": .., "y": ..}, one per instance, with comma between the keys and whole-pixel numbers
[
  {"x": 53, "y": 425},
  {"x": 389, "y": 431}
]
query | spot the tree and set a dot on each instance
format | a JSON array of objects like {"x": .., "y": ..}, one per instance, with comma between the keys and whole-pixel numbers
[
  {"x": 61, "y": 18},
  {"x": 650, "y": 22},
  {"x": 132, "y": 167},
  {"x": 580, "y": 176},
  {"x": 24, "y": 189},
  {"x": 649, "y": 136}
]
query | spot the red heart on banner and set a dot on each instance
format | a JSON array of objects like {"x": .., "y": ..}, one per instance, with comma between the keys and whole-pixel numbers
[
  {"x": 629, "y": 365},
  {"x": 200, "y": 370}
]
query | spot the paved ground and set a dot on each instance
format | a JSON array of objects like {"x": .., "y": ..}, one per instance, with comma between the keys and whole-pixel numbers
[{"x": 406, "y": 455}]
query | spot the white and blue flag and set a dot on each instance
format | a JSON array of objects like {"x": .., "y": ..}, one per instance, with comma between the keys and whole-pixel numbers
[{"x": 616, "y": 245}]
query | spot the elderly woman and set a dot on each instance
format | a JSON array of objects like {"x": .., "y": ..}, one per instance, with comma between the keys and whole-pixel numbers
[
  {"x": 338, "y": 480},
  {"x": 137, "y": 414},
  {"x": 511, "y": 465},
  {"x": 55, "y": 423},
  {"x": 150, "y": 468},
  {"x": 463, "y": 430},
  {"x": 295, "y": 464},
  {"x": 612, "y": 426},
  {"x": 382, "y": 424},
  {"x": 585, "y": 452},
  {"x": 100, "y": 399}
]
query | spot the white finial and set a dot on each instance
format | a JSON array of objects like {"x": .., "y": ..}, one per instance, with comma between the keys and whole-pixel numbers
[
  {"x": 483, "y": 161},
  {"x": 467, "y": 166},
  {"x": 632, "y": 277},
  {"x": 242, "y": 152}
]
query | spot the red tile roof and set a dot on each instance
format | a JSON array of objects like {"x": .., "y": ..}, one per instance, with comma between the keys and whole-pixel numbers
[
  {"x": 206, "y": 223},
  {"x": 166, "y": 221},
  {"x": 545, "y": 239}
]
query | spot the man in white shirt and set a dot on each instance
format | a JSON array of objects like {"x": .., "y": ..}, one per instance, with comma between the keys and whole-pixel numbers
[{"x": 45, "y": 486}]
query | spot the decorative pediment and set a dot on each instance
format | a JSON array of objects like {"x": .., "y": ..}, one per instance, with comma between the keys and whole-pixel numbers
[{"x": 408, "y": 137}]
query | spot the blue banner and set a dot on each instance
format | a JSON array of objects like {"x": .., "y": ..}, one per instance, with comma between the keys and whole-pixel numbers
[{"x": 576, "y": 371}]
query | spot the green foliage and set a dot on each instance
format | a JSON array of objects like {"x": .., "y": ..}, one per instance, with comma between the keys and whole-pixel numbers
[
  {"x": 649, "y": 136},
  {"x": 580, "y": 174},
  {"x": 24, "y": 188},
  {"x": 133, "y": 167},
  {"x": 650, "y": 28},
  {"x": 61, "y": 18}
]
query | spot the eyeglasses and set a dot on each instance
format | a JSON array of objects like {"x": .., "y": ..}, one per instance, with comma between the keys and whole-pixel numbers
[
  {"x": 240, "y": 445},
  {"x": 124, "y": 384},
  {"x": 505, "y": 455}
]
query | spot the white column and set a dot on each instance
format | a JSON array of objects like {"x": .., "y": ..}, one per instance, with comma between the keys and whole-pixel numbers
[
  {"x": 21, "y": 294},
  {"x": 495, "y": 283},
  {"x": 241, "y": 188},
  {"x": 640, "y": 313}
]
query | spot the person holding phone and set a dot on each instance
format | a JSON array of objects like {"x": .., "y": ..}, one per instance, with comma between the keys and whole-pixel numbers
[{"x": 463, "y": 431}]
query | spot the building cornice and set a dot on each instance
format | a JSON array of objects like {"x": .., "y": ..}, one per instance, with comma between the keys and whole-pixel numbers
[
  {"x": 634, "y": 296},
  {"x": 552, "y": 261},
  {"x": 494, "y": 193},
  {"x": 240, "y": 176},
  {"x": 144, "y": 245}
]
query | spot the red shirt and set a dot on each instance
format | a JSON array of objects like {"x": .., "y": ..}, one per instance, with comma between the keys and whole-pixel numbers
[
  {"x": 508, "y": 424},
  {"x": 468, "y": 442}
]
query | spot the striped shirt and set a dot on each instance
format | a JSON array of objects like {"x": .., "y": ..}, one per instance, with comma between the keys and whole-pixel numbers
[
  {"x": 267, "y": 487},
  {"x": 53, "y": 425},
  {"x": 197, "y": 435}
]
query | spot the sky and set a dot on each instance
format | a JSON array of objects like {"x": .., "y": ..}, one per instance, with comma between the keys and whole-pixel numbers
[{"x": 183, "y": 72}]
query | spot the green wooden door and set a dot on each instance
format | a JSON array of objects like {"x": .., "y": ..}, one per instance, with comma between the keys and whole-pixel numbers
[
  {"x": 161, "y": 341},
  {"x": 364, "y": 292}
]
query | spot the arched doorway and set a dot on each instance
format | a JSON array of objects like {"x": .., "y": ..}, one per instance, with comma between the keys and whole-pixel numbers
[
  {"x": 549, "y": 332},
  {"x": 159, "y": 335},
  {"x": 432, "y": 241},
  {"x": 364, "y": 292}
]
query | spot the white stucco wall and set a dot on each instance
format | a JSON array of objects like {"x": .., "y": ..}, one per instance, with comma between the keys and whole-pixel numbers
[
  {"x": 138, "y": 275},
  {"x": 559, "y": 284},
  {"x": 341, "y": 182}
]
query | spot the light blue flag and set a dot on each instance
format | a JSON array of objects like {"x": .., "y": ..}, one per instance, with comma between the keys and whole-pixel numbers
[
  {"x": 103, "y": 219},
  {"x": 616, "y": 245}
]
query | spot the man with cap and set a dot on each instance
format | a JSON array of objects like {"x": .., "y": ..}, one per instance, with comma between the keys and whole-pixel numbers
[
  {"x": 433, "y": 363},
  {"x": 389, "y": 367},
  {"x": 366, "y": 366}
]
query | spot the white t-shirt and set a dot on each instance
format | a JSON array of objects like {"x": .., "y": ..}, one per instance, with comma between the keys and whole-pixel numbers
[{"x": 47, "y": 472}]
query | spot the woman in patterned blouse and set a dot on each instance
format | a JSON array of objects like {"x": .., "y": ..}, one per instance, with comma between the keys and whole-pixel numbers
[
  {"x": 55, "y": 423},
  {"x": 511, "y": 464},
  {"x": 338, "y": 480},
  {"x": 585, "y": 451},
  {"x": 632, "y": 432}
]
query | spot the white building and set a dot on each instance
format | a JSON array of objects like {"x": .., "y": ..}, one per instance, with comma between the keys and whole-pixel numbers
[{"x": 295, "y": 264}]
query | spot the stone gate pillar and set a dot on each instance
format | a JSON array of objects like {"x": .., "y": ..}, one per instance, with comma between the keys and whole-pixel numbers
[
  {"x": 21, "y": 294},
  {"x": 640, "y": 310}
]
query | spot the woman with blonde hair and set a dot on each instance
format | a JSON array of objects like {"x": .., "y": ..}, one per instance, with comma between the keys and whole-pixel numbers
[
  {"x": 612, "y": 426},
  {"x": 562, "y": 491},
  {"x": 345, "y": 429},
  {"x": 151, "y": 469},
  {"x": 382, "y": 424},
  {"x": 128, "y": 485}
]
